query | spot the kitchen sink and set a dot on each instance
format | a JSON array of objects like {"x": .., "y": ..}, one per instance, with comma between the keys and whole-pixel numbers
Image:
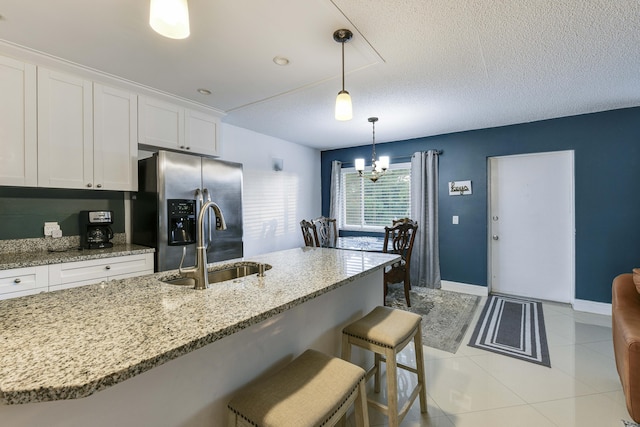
[{"x": 235, "y": 271}]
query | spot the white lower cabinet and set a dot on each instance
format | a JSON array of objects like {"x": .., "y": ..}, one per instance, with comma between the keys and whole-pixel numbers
[
  {"x": 80, "y": 273},
  {"x": 19, "y": 282}
]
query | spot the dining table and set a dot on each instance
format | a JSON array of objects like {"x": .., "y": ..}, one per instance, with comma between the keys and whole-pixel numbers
[{"x": 361, "y": 243}]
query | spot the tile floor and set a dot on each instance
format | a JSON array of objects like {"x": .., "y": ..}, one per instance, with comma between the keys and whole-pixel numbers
[{"x": 477, "y": 388}]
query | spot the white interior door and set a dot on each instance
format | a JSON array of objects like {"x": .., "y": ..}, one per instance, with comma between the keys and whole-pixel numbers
[{"x": 531, "y": 226}]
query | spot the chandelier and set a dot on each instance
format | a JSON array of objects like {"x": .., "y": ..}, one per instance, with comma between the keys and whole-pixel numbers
[{"x": 378, "y": 167}]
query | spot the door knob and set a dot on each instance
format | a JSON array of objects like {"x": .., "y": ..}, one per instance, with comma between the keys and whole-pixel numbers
[{"x": 495, "y": 237}]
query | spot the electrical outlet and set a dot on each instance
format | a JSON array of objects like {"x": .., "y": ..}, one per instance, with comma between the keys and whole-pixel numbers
[{"x": 49, "y": 227}]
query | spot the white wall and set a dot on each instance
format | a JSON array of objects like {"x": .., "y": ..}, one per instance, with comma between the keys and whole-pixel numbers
[{"x": 273, "y": 202}]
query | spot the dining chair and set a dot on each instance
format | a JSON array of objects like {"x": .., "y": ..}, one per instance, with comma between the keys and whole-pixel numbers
[
  {"x": 327, "y": 231},
  {"x": 309, "y": 233},
  {"x": 398, "y": 239}
]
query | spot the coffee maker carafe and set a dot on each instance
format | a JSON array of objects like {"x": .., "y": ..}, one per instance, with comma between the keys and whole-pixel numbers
[{"x": 95, "y": 230}]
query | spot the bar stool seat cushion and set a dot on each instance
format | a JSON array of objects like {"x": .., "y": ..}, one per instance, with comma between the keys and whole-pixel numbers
[
  {"x": 384, "y": 326},
  {"x": 306, "y": 392}
]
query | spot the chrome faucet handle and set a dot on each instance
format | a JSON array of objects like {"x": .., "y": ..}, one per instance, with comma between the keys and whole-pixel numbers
[
  {"x": 206, "y": 192},
  {"x": 184, "y": 253}
]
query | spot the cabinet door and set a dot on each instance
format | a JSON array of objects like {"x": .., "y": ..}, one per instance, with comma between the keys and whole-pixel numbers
[
  {"x": 18, "y": 282},
  {"x": 65, "y": 130},
  {"x": 115, "y": 143},
  {"x": 201, "y": 132},
  {"x": 161, "y": 124},
  {"x": 18, "y": 157}
]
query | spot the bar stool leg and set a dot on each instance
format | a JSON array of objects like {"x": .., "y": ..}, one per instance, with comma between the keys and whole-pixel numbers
[
  {"x": 361, "y": 408},
  {"x": 346, "y": 348},
  {"x": 376, "y": 373},
  {"x": 392, "y": 387},
  {"x": 417, "y": 342}
]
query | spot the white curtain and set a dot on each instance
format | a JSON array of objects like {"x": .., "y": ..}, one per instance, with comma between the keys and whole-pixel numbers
[
  {"x": 336, "y": 188},
  {"x": 425, "y": 258}
]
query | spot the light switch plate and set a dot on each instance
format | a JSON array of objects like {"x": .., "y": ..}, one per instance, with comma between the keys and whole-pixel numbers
[{"x": 455, "y": 219}]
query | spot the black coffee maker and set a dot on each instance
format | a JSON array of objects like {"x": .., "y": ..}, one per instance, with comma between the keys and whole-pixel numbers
[{"x": 95, "y": 230}]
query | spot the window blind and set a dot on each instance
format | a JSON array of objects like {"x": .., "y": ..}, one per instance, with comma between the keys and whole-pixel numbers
[{"x": 372, "y": 206}]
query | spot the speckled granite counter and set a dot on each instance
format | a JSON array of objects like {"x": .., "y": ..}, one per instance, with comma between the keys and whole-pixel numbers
[
  {"x": 20, "y": 259},
  {"x": 69, "y": 344}
]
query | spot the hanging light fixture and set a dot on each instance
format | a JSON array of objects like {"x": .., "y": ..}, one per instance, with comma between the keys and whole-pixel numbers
[
  {"x": 170, "y": 18},
  {"x": 344, "y": 110},
  {"x": 378, "y": 167}
]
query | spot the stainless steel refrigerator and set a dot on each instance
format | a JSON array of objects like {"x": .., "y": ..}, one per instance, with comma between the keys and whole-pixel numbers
[{"x": 171, "y": 190}]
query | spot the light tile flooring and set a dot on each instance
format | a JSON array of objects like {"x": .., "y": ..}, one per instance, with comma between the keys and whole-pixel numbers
[{"x": 478, "y": 388}]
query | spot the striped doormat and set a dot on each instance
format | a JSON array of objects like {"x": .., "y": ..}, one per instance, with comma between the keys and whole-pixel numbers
[{"x": 512, "y": 327}]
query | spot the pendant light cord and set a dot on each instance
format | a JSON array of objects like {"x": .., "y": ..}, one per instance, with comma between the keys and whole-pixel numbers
[{"x": 343, "y": 66}]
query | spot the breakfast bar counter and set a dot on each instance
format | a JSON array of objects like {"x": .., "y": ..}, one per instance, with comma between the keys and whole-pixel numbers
[{"x": 113, "y": 341}]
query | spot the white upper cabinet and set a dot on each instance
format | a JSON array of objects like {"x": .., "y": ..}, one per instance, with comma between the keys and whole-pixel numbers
[
  {"x": 115, "y": 138},
  {"x": 166, "y": 125},
  {"x": 201, "y": 132},
  {"x": 18, "y": 156},
  {"x": 85, "y": 142},
  {"x": 65, "y": 130}
]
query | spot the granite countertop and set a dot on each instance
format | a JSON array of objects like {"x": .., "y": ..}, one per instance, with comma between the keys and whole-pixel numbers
[
  {"x": 22, "y": 259},
  {"x": 71, "y": 343}
]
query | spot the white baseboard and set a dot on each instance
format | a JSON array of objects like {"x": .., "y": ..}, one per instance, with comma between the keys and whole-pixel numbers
[
  {"x": 464, "y": 288},
  {"x": 592, "y": 307},
  {"x": 483, "y": 291}
]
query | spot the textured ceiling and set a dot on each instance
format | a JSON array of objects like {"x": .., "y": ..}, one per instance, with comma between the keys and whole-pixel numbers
[{"x": 424, "y": 67}]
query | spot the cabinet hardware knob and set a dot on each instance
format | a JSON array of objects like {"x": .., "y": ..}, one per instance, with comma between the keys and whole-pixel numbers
[
  {"x": 89, "y": 185},
  {"x": 17, "y": 280},
  {"x": 99, "y": 185},
  {"x": 182, "y": 146},
  {"x": 108, "y": 267},
  {"x": 188, "y": 148}
]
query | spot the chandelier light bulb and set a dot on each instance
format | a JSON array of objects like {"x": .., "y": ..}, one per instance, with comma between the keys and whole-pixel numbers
[{"x": 170, "y": 18}]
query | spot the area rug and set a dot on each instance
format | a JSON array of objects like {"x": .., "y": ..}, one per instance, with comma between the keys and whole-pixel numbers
[
  {"x": 629, "y": 423},
  {"x": 512, "y": 327},
  {"x": 445, "y": 315}
]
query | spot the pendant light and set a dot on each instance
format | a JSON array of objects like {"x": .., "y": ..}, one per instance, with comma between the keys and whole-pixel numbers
[
  {"x": 344, "y": 110},
  {"x": 378, "y": 167},
  {"x": 170, "y": 18}
]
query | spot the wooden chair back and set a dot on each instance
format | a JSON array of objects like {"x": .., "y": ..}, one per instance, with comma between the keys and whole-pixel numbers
[
  {"x": 309, "y": 233},
  {"x": 327, "y": 231},
  {"x": 398, "y": 239}
]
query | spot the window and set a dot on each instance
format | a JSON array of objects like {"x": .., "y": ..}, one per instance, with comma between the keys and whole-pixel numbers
[{"x": 369, "y": 206}]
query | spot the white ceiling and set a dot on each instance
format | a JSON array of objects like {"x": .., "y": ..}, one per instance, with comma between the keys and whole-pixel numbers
[{"x": 424, "y": 67}]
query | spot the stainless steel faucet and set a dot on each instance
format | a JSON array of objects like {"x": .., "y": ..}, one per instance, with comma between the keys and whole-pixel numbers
[{"x": 199, "y": 271}]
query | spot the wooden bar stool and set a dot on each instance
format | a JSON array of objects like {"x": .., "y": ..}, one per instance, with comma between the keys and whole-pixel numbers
[
  {"x": 312, "y": 390},
  {"x": 386, "y": 331}
]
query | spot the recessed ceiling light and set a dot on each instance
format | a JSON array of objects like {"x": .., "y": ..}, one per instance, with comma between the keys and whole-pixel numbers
[
  {"x": 280, "y": 60},
  {"x": 204, "y": 91}
]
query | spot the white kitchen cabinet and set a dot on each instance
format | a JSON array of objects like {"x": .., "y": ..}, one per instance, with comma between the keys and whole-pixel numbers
[
  {"x": 80, "y": 273},
  {"x": 166, "y": 125},
  {"x": 18, "y": 157},
  {"x": 65, "y": 130},
  {"x": 18, "y": 282},
  {"x": 115, "y": 138},
  {"x": 86, "y": 135},
  {"x": 201, "y": 132}
]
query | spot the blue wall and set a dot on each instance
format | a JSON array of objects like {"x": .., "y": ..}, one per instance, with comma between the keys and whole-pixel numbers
[{"x": 607, "y": 208}]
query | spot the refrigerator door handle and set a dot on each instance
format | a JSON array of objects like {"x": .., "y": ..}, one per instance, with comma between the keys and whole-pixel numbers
[{"x": 206, "y": 192}]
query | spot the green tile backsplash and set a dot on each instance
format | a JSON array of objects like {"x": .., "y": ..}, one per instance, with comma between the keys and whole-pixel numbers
[{"x": 24, "y": 210}]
